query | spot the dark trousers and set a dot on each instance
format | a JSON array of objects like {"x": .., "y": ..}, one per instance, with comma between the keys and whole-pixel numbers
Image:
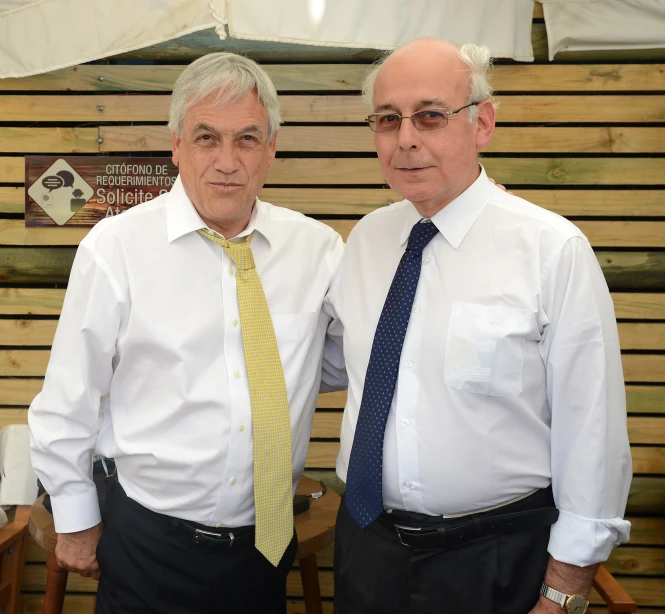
[
  {"x": 149, "y": 566},
  {"x": 493, "y": 574}
]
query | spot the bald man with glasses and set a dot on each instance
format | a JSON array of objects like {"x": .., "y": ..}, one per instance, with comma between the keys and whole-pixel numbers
[{"x": 484, "y": 443}]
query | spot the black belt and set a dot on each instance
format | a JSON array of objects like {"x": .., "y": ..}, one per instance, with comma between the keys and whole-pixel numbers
[
  {"x": 210, "y": 538},
  {"x": 215, "y": 539},
  {"x": 442, "y": 535}
]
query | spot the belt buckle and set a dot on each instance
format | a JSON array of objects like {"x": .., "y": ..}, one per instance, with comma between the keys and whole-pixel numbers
[
  {"x": 198, "y": 533},
  {"x": 399, "y": 527}
]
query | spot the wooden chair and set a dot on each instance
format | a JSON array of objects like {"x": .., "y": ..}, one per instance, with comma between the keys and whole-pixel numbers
[
  {"x": 13, "y": 544},
  {"x": 617, "y": 599}
]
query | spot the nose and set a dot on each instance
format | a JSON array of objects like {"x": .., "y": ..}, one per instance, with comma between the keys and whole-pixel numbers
[
  {"x": 407, "y": 136},
  {"x": 226, "y": 158}
]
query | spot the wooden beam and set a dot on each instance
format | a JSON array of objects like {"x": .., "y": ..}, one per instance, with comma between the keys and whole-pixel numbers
[
  {"x": 347, "y": 77},
  {"x": 554, "y": 171},
  {"x": 49, "y": 140},
  {"x": 600, "y": 234},
  {"x": 519, "y": 108},
  {"x": 360, "y": 201},
  {"x": 361, "y": 139}
]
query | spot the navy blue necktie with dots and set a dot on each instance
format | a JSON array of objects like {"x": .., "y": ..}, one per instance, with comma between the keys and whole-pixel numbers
[{"x": 364, "y": 493}]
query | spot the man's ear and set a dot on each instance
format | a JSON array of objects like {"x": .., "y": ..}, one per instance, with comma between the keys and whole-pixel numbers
[
  {"x": 175, "y": 148},
  {"x": 272, "y": 146},
  {"x": 485, "y": 122}
]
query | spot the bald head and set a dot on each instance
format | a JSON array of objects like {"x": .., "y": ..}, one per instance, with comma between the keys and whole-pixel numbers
[{"x": 467, "y": 63}]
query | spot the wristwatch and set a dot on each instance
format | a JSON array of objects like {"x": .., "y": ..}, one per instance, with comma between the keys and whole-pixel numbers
[{"x": 572, "y": 604}]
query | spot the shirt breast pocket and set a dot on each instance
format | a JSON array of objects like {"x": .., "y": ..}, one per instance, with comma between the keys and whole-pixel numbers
[{"x": 484, "y": 348}]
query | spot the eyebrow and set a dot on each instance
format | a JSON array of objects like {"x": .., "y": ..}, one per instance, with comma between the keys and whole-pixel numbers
[
  {"x": 248, "y": 129},
  {"x": 434, "y": 102}
]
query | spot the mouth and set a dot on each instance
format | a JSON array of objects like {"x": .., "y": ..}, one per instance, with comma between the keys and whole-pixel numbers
[
  {"x": 224, "y": 186},
  {"x": 412, "y": 170}
]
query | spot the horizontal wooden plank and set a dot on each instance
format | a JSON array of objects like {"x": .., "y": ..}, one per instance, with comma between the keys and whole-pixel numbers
[
  {"x": 12, "y": 170},
  {"x": 509, "y": 171},
  {"x": 600, "y": 234},
  {"x": 647, "y": 495},
  {"x": 647, "y": 531},
  {"x": 519, "y": 108},
  {"x": 643, "y": 367},
  {"x": 623, "y": 270},
  {"x": 48, "y": 301},
  {"x": 354, "y": 201},
  {"x": 642, "y": 336},
  {"x": 639, "y": 306},
  {"x": 628, "y": 560},
  {"x": 341, "y": 77},
  {"x": 31, "y": 301},
  {"x": 645, "y": 399},
  {"x": 646, "y": 460},
  {"x": 49, "y": 140},
  {"x": 360, "y": 139}
]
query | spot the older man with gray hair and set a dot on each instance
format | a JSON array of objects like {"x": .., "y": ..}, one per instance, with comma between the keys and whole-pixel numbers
[
  {"x": 484, "y": 443},
  {"x": 198, "y": 318}
]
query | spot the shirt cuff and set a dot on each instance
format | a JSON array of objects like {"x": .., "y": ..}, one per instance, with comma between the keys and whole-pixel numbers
[
  {"x": 73, "y": 513},
  {"x": 586, "y": 541}
]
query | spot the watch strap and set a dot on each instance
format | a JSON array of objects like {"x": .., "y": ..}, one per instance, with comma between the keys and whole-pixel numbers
[{"x": 553, "y": 595}]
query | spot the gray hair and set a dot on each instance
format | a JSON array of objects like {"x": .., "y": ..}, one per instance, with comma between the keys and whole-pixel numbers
[
  {"x": 232, "y": 77},
  {"x": 478, "y": 60}
]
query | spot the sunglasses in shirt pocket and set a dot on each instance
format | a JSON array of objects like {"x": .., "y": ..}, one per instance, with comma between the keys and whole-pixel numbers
[{"x": 484, "y": 348}]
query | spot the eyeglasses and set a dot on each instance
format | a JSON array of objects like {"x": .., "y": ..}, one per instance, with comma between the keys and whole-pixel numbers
[{"x": 429, "y": 119}]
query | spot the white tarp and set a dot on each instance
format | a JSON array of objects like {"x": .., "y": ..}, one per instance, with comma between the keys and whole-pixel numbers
[
  {"x": 503, "y": 25},
  {"x": 44, "y": 35},
  {"x": 586, "y": 25}
]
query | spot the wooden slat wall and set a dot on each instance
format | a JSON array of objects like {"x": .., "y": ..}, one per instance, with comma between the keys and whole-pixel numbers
[{"x": 583, "y": 136}]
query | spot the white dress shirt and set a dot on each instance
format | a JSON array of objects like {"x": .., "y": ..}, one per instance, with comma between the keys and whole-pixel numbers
[
  {"x": 151, "y": 323},
  {"x": 510, "y": 374}
]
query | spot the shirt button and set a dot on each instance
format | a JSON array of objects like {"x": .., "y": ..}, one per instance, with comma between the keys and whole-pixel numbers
[
  {"x": 233, "y": 481},
  {"x": 405, "y": 422},
  {"x": 425, "y": 260},
  {"x": 231, "y": 271},
  {"x": 241, "y": 428},
  {"x": 236, "y": 373},
  {"x": 408, "y": 484},
  {"x": 408, "y": 364},
  {"x": 416, "y": 308},
  {"x": 235, "y": 322}
]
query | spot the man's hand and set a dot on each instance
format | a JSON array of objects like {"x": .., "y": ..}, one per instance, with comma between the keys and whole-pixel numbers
[
  {"x": 499, "y": 185},
  {"x": 565, "y": 578},
  {"x": 78, "y": 551}
]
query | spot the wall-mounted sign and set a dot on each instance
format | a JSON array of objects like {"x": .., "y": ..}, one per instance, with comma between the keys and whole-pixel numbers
[{"x": 81, "y": 190}]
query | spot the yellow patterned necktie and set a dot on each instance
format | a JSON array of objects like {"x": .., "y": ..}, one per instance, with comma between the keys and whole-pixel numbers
[{"x": 271, "y": 423}]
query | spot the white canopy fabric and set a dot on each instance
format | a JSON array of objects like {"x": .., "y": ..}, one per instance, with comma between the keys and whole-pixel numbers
[
  {"x": 586, "y": 25},
  {"x": 44, "y": 35},
  {"x": 503, "y": 25}
]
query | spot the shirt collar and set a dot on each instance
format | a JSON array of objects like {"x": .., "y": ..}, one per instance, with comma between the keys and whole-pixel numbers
[
  {"x": 183, "y": 218},
  {"x": 456, "y": 219}
]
